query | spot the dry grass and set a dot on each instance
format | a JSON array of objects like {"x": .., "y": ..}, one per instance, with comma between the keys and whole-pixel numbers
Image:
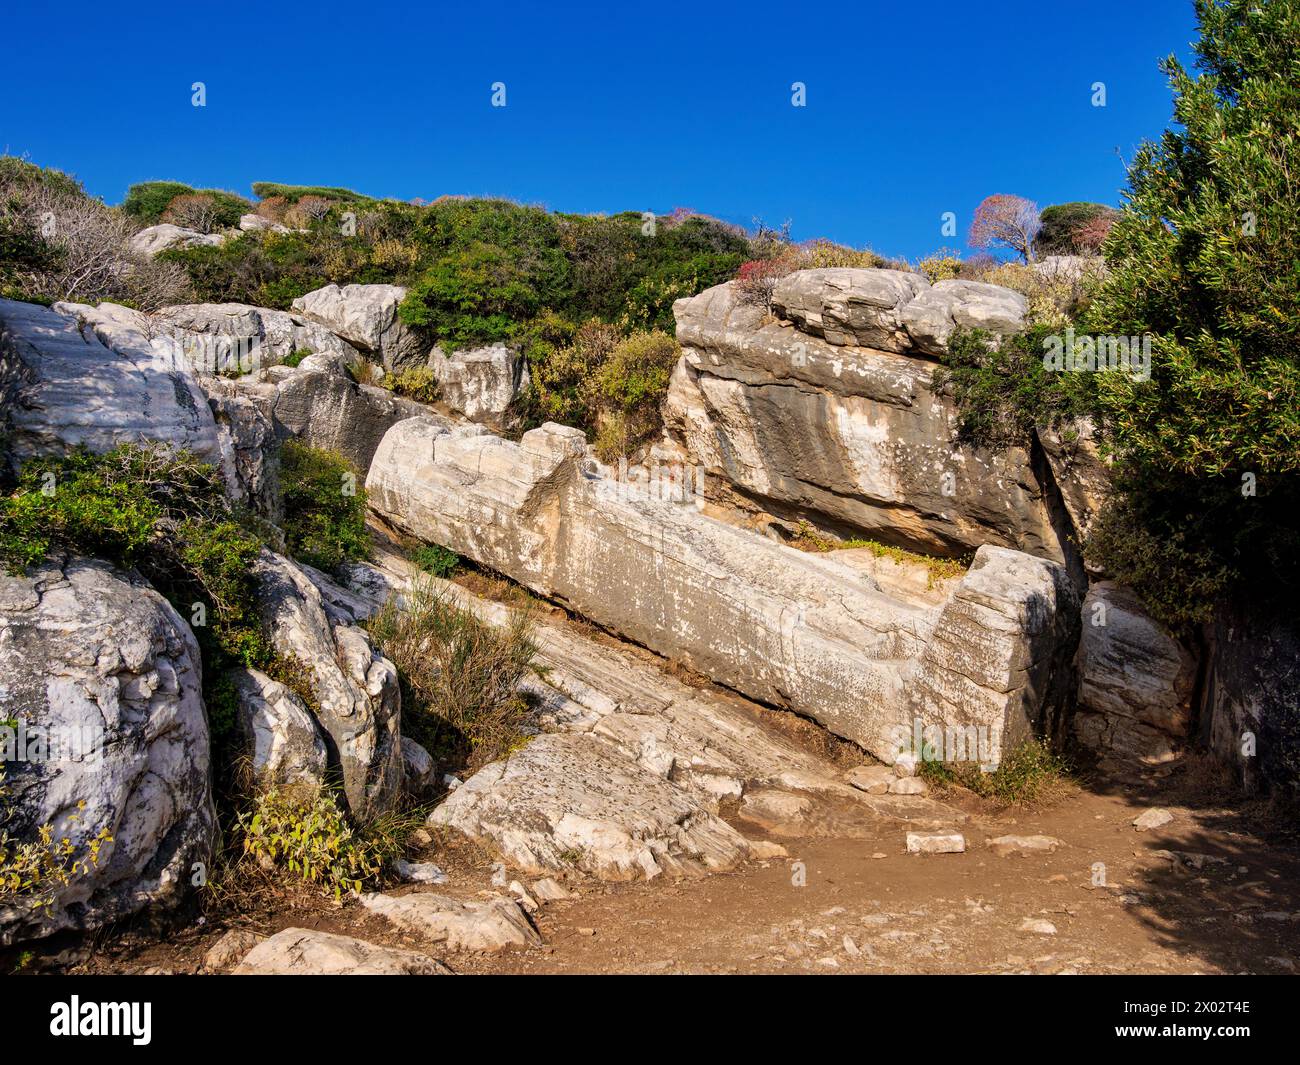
[{"x": 460, "y": 675}]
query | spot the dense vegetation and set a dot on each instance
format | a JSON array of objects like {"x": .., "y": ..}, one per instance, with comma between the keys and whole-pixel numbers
[
  {"x": 1202, "y": 260},
  {"x": 324, "y": 506}
]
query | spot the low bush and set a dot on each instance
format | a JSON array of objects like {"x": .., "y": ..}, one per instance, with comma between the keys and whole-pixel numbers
[
  {"x": 162, "y": 512},
  {"x": 414, "y": 382},
  {"x": 1002, "y": 389},
  {"x": 324, "y": 506},
  {"x": 1030, "y": 774},
  {"x": 306, "y": 834},
  {"x": 436, "y": 560}
]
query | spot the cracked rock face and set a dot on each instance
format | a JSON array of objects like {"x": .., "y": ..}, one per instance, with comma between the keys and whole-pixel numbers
[
  {"x": 62, "y": 386},
  {"x": 1135, "y": 679},
  {"x": 490, "y": 925},
  {"x": 103, "y": 666},
  {"x": 843, "y": 426},
  {"x": 567, "y": 802},
  {"x": 782, "y": 626},
  {"x": 366, "y": 316},
  {"x": 480, "y": 383},
  {"x": 357, "y": 701}
]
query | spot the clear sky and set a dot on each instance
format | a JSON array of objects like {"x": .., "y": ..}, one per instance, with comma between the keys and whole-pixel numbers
[{"x": 913, "y": 107}]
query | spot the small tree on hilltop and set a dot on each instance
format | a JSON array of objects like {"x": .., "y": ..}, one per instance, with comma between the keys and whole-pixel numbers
[{"x": 1004, "y": 221}]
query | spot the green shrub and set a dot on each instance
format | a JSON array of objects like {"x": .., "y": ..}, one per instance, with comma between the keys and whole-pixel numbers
[
  {"x": 32, "y": 871},
  {"x": 1061, "y": 226},
  {"x": 296, "y": 357},
  {"x": 167, "y": 515},
  {"x": 147, "y": 200},
  {"x": 324, "y": 506},
  {"x": 629, "y": 387},
  {"x": 1203, "y": 259},
  {"x": 436, "y": 560},
  {"x": 264, "y": 190},
  {"x": 460, "y": 675},
  {"x": 1028, "y": 775},
  {"x": 306, "y": 834},
  {"x": 1003, "y": 392},
  {"x": 415, "y": 382}
]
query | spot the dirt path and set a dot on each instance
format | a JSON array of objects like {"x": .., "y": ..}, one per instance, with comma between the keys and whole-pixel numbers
[{"x": 867, "y": 907}]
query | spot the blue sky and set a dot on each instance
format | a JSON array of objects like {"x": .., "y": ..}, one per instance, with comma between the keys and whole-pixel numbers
[{"x": 913, "y": 109}]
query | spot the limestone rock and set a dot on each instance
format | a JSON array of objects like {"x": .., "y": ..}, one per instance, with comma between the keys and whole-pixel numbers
[
  {"x": 1003, "y": 846},
  {"x": 1155, "y": 817},
  {"x": 284, "y": 744},
  {"x": 355, "y": 689},
  {"x": 152, "y": 240},
  {"x": 1038, "y": 926},
  {"x": 480, "y": 383},
  {"x": 417, "y": 767},
  {"x": 254, "y": 223},
  {"x": 366, "y": 316},
  {"x": 230, "y": 949},
  {"x": 932, "y": 317},
  {"x": 419, "y": 872},
  {"x": 935, "y": 843},
  {"x": 853, "y": 436},
  {"x": 849, "y": 306},
  {"x": 568, "y": 802},
  {"x": 908, "y": 786},
  {"x": 873, "y": 779},
  {"x": 480, "y": 926},
  {"x": 1135, "y": 679},
  {"x": 101, "y": 665},
  {"x": 549, "y": 890},
  {"x": 267, "y": 336},
  {"x": 61, "y": 387},
  {"x": 782, "y": 626},
  {"x": 303, "y": 952}
]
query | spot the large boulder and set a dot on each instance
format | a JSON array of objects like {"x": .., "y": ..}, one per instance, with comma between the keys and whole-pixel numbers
[
  {"x": 849, "y": 306},
  {"x": 102, "y": 666},
  {"x": 329, "y": 410},
  {"x": 62, "y": 386},
  {"x": 154, "y": 240},
  {"x": 480, "y": 383},
  {"x": 780, "y": 625},
  {"x": 266, "y": 336},
  {"x": 365, "y": 315},
  {"x": 936, "y": 313},
  {"x": 281, "y": 738},
  {"x": 355, "y": 699},
  {"x": 1135, "y": 679},
  {"x": 852, "y": 437}
]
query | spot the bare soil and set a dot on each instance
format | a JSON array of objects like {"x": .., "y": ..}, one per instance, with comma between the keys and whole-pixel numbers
[{"x": 1228, "y": 901}]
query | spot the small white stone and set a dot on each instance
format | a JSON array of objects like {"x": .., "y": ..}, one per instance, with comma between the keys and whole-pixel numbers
[
  {"x": 936, "y": 843},
  {"x": 908, "y": 786},
  {"x": 419, "y": 872},
  {"x": 1037, "y": 925},
  {"x": 1152, "y": 818}
]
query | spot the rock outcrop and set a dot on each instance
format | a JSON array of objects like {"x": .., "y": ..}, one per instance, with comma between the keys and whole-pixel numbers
[
  {"x": 784, "y": 627},
  {"x": 366, "y": 316},
  {"x": 480, "y": 383},
  {"x": 153, "y": 240},
  {"x": 265, "y": 337},
  {"x": 630, "y": 776},
  {"x": 1135, "y": 680},
  {"x": 103, "y": 670},
  {"x": 305, "y": 952},
  {"x": 356, "y": 701},
  {"x": 802, "y": 420},
  {"x": 62, "y": 387},
  {"x": 283, "y": 742}
]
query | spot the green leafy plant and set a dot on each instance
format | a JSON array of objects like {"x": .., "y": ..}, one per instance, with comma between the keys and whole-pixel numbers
[
  {"x": 32, "y": 871},
  {"x": 436, "y": 560},
  {"x": 306, "y": 834},
  {"x": 324, "y": 506},
  {"x": 415, "y": 382},
  {"x": 1030, "y": 774}
]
